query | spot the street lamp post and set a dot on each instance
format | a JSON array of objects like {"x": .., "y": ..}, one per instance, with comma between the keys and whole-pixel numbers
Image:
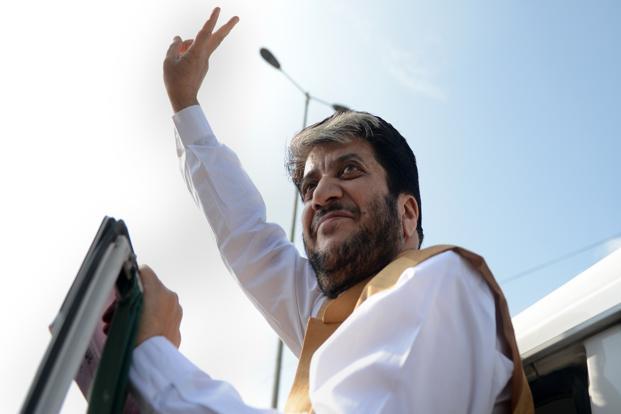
[{"x": 271, "y": 59}]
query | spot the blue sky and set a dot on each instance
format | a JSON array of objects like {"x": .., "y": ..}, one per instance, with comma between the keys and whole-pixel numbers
[
  {"x": 532, "y": 129},
  {"x": 512, "y": 109}
]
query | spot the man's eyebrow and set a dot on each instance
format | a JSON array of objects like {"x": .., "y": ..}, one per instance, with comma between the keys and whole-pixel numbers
[
  {"x": 350, "y": 156},
  {"x": 307, "y": 177}
]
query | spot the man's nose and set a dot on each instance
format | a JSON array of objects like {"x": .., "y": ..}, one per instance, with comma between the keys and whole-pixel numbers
[{"x": 326, "y": 191}]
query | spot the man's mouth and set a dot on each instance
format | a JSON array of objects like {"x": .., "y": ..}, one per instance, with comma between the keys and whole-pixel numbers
[{"x": 330, "y": 216}]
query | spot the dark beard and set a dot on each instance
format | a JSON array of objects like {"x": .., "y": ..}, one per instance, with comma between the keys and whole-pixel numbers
[{"x": 364, "y": 254}]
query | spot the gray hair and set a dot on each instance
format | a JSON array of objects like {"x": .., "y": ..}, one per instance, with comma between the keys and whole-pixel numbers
[{"x": 340, "y": 128}]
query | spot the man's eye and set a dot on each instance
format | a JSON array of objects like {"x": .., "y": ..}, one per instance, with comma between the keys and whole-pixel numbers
[
  {"x": 350, "y": 169},
  {"x": 307, "y": 191}
]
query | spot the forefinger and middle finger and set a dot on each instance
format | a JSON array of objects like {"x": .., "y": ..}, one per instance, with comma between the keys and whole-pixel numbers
[
  {"x": 206, "y": 40},
  {"x": 203, "y": 35}
]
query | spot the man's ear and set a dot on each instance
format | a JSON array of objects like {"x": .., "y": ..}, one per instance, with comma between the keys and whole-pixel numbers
[{"x": 408, "y": 210}]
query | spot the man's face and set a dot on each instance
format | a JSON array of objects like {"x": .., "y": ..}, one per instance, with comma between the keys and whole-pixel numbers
[{"x": 350, "y": 222}]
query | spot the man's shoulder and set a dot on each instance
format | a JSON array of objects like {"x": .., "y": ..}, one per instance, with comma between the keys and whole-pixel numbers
[
  {"x": 438, "y": 260},
  {"x": 441, "y": 267},
  {"x": 450, "y": 281},
  {"x": 449, "y": 261},
  {"x": 449, "y": 258},
  {"x": 448, "y": 266}
]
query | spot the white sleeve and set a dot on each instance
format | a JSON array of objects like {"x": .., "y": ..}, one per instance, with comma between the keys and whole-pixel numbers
[
  {"x": 167, "y": 382},
  {"x": 427, "y": 345},
  {"x": 269, "y": 268}
]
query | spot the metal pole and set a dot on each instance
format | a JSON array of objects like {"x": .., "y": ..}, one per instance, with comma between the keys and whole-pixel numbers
[
  {"x": 277, "y": 375},
  {"x": 307, "y": 98}
]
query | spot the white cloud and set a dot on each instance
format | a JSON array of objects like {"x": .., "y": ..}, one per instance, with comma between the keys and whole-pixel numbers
[
  {"x": 412, "y": 64},
  {"x": 413, "y": 71}
]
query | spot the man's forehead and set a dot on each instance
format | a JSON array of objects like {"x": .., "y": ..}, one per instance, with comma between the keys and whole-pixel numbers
[{"x": 324, "y": 154}]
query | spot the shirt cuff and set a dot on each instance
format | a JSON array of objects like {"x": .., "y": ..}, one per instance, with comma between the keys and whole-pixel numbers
[
  {"x": 156, "y": 365},
  {"x": 192, "y": 126}
]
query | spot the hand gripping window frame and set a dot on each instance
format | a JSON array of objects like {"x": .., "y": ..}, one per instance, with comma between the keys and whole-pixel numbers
[{"x": 109, "y": 267}]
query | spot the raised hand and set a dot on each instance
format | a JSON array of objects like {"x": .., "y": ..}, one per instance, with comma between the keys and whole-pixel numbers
[{"x": 187, "y": 61}]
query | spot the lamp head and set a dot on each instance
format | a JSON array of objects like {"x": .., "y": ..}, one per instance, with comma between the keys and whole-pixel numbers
[
  {"x": 340, "y": 108},
  {"x": 269, "y": 58}
]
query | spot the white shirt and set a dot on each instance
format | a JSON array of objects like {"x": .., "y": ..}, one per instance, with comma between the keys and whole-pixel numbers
[{"x": 427, "y": 345}]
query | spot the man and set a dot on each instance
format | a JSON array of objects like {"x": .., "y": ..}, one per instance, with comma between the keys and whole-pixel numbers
[{"x": 379, "y": 325}]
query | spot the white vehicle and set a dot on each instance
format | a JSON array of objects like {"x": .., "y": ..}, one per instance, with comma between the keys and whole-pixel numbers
[{"x": 570, "y": 342}]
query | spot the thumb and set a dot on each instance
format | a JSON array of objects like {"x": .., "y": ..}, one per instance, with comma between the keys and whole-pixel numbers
[
  {"x": 174, "y": 48},
  {"x": 185, "y": 45}
]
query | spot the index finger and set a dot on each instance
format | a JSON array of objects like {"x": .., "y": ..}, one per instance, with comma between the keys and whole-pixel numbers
[
  {"x": 208, "y": 27},
  {"x": 147, "y": 276}
]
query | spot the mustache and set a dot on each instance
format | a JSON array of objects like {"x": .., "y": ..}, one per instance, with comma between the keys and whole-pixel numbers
[{"x": 334, "y": 206}]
